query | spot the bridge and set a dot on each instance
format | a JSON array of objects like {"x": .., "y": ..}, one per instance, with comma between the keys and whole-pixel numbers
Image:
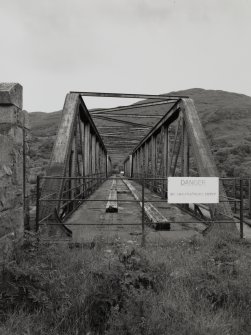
[
  {"x": 108, "y": 172},
  {"x": 109, "y": 168}
]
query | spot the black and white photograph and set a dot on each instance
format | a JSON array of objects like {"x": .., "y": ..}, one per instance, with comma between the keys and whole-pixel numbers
[{"x": 125, "y": 167}]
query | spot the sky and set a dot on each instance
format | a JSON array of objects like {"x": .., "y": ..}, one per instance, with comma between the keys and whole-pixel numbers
[{"x": 52, "y": 47}]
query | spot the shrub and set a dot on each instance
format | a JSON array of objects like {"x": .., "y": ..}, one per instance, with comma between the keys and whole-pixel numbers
[{"x": 196, "y": 286}]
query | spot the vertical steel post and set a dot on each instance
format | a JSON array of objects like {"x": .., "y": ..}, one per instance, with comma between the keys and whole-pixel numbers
[
  {"x": 37, "y": 203},
  {"x": 241, "y": 208},
  {"x": 143, "y": 213},
  {"x": 235, "y": 194},
  {"x": 133, "y": 166},
  {"x": 69, "y": 204},
  {"x": 168, "y": 152},
  {"x": 249, "y": 198},
  {"x": 25, "y": 200},
  {"x": 165, "y": 158},
  {"x": 153, "y": 162},
  {"x": 106, "y": 165}
]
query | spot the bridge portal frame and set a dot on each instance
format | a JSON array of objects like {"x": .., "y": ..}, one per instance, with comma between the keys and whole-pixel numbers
[{"x": 189, "y": 137}]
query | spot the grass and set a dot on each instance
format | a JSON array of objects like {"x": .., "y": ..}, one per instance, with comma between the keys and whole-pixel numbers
[{"x": 197, "y": 286}]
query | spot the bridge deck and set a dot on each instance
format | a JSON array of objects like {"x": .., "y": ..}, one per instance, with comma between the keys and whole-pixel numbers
[{"x": 91, "y": 221}]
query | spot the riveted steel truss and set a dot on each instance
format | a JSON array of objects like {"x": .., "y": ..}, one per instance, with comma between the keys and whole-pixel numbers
[
  {"x": 177, "y": 146},
  {"x": 172, "y": 143},
  {"x": 78, "y": 151}
]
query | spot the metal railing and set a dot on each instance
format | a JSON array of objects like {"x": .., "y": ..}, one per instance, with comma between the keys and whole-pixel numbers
[
  {"x": 241, "y": 187},
  {"x": 70, "y": 199},
  {"x": 83, "y": 191}
]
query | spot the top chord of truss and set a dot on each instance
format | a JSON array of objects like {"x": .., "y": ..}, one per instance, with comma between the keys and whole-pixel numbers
[{"x": 126, "y": 95}]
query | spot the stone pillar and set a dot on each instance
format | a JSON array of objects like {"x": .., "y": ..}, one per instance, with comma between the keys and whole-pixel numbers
[{"x": 12, "y": 121}]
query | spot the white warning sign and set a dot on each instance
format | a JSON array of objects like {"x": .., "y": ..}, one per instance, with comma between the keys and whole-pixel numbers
[{"x": 196, "y": 190}]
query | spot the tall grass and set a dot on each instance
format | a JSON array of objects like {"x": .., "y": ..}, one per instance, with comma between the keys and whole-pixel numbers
[{"x": 195, "y": 287}]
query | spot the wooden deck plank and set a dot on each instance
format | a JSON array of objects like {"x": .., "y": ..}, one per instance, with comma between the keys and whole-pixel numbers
[
  {"x": 157, "y": 219},
  {"x": 112, "y": 203}
]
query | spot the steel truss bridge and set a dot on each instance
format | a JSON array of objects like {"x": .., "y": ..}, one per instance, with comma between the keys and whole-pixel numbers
[{"x": 91, "y": 144}]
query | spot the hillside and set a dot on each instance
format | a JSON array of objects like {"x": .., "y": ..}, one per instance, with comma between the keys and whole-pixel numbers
[{"x": 226, "y": 118}]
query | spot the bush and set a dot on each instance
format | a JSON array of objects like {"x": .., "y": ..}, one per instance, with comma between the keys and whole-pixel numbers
[{"x": 189, "y": 287}]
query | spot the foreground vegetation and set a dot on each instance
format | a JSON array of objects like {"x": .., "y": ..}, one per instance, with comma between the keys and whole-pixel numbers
[{"x": 195, "y": 287}]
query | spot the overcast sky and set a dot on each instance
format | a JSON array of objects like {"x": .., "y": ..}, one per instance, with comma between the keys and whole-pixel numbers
[{"x": 133, "y": 46}]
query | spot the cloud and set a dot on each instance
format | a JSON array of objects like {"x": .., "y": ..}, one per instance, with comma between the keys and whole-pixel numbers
[
  {"x": 55, "y": 34},
  {"x": 156, "y": 11},
  {"x": 122, "y": 45}
]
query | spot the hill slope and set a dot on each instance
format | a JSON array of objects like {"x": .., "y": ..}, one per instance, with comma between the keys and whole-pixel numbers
[{"x": 226, "y": 118}]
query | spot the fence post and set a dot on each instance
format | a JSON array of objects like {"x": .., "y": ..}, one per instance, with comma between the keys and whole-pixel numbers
[
  {"x": 249, "y": 198},
  {"x": 241, "y": 208},
  {"x": 235, "y": 208},
  {"x": 37, "y": 203},
  {"x": 143, "y": 213}
]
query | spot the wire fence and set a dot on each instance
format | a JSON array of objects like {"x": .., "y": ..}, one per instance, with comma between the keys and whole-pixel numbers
[{"x": 78, "y": 190}]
